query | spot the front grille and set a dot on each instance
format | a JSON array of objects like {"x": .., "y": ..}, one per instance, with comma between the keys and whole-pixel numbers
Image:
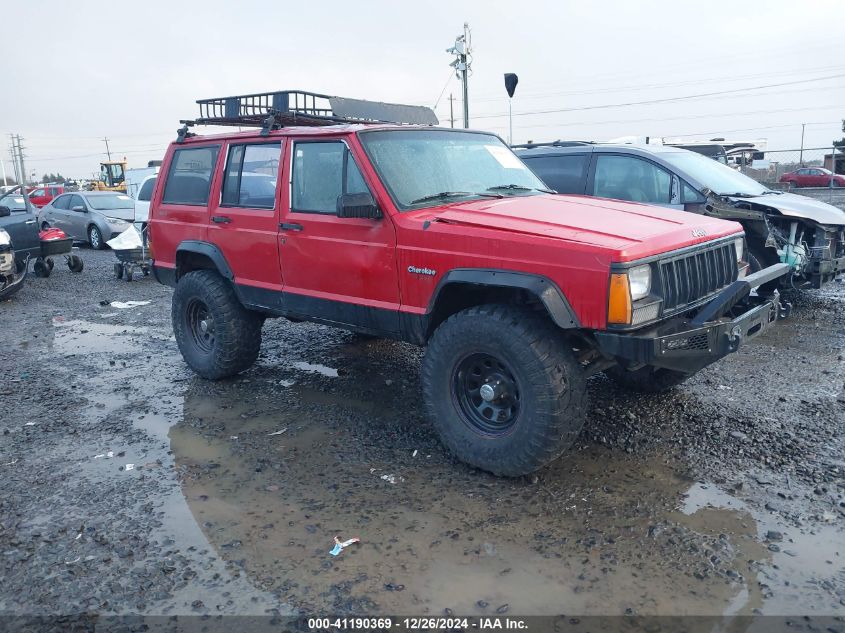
[{"x": 689, "y": 278}]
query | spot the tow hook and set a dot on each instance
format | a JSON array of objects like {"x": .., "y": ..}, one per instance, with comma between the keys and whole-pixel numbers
[
  {"x": 784, "y": 310},
  {"x": 734, "y": 338}
]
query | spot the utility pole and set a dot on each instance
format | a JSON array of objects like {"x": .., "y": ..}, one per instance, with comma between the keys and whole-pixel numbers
[
  {"x": 14, "y": 154},
  {"x": 801, "y": 156},
  {"x": 108, "y": 152},
  {"x": 24, "y": 192},
  {"x": 451, "y": 109},
  {"x": 461, "y": 50}
]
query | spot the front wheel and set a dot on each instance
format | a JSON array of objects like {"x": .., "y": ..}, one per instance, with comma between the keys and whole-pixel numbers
[
  {"x": 503, "y": 389},
  {"x": 647, "y": 379},
  {"x": 95, "y": 238},
  {"x": 217, "y": 336}
]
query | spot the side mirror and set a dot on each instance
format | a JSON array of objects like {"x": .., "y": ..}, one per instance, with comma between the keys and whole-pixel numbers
[
  {"x": 79, "y": 209},
  {"x": 357, "y": 205},
  {"x": 5, "y": 212}
]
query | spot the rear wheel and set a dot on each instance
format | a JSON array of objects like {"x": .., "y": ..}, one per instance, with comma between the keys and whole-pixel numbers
[
  {"x": 502, "y": 389},
  {"x": 217, "y": 336},
  {"x": 95, "y": 238},
  {"x": 75, "y": 264},
  {"x": 40, "y": 268},
  {"x": 647, "y": 379}
]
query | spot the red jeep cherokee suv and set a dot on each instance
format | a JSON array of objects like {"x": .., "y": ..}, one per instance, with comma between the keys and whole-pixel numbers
[{"x": 441, "y": 238}]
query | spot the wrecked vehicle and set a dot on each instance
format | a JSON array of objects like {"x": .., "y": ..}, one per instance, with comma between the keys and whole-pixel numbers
[
  {"x": 12, "y": 273},
  {"x": 807, "y": 234},
  {"x": 443, "y": 238}
]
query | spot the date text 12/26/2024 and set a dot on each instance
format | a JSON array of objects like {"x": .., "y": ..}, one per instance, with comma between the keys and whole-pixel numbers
[{"x": 416, "y": 623}]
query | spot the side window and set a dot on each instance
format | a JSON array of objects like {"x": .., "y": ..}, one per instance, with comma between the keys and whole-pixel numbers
[
  {"x": 631, "y": 178},
  {"x": 37, "y": 193},
  {"x": 690, "y": 195},
  {"x": 189, "y": 177},
  {"x": 251, "y": 175},
  {"x": 62, "y": 202},
  {"x": 76, "y": 201},
  {"x": 565, "y": 173},
  {"x": 146, "y": 192},
  {"x": 321, "y": 173}
]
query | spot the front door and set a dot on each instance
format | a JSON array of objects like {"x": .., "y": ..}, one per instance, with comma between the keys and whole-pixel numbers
[
  {"x": 340, "y": 270},
  {"x": 22, "y": 228},
  {"x": 244, "y": 220}
]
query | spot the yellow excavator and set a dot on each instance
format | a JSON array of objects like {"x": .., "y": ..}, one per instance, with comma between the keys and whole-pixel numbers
[{"x": 112, "y": 176}]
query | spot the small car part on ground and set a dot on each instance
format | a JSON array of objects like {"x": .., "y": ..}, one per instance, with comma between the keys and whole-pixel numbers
[
  {"x": 442, "y": 238},
  {"x": 807, "y": 234}
]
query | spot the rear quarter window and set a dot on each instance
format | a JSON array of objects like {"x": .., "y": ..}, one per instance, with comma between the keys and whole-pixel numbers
[
  {"x": 565, "y": 173},
  {"x": 189, "y": 177}
]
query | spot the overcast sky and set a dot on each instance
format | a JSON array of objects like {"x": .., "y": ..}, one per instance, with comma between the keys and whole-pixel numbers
[{"x": 75, "y": 72}]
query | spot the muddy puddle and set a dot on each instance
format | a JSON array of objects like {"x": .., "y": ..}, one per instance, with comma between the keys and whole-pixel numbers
[
  {"x": 271, "y": 483},
  {"x": 276, "y": 463}
]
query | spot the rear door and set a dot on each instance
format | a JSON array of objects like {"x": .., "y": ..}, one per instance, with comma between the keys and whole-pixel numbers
[
  {"x": 341, "y": 270},
  {"x": 565, "y": 173},
  {"x": 244, "y": 218}
]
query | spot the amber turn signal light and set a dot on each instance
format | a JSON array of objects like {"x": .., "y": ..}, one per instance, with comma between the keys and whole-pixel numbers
[{"x": 619, "y": 300}]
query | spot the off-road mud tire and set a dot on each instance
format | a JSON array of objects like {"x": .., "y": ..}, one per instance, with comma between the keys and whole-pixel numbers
[
  {"x": 549, "y": 380},
  {"x": 236, "y": 330}
]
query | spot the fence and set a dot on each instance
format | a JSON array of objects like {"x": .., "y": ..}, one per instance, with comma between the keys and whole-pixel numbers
[{"x": 768, "y": 166}]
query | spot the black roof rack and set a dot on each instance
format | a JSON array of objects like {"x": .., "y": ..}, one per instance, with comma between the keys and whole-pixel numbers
[
  {"x": 558, "y": 143},
  {"x": 274, "y": 110}
]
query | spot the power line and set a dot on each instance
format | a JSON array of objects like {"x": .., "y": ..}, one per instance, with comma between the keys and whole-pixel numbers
[
  {"x": 625, "y": 88},
  {"x": 663, "y": 100}
]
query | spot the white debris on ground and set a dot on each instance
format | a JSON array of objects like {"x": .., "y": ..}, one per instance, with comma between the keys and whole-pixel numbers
[
  {"x": 124, "y": 305},
  {"x": 316, "y": 368}
]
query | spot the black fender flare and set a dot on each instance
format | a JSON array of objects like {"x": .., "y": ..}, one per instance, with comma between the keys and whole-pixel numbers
[
  {"x": 208, "y": 250},
  {"x": 549, "y": 294}
]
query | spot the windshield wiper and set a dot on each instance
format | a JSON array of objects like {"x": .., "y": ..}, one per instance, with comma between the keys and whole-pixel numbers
[
  {"x": 738, "y": 194},
  {"x": 453, "y": 194},
  {"x": 518, "y": 188}
]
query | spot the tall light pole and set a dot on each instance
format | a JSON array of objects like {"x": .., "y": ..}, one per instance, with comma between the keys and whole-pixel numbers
[
  {"x": 510, "y": 85},
  {"x": 801, "y": 155},
  {"x": 461, "y": 50}
]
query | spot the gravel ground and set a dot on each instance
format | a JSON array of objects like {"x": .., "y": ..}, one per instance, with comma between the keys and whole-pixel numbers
[{"x": 128, "y": 485}]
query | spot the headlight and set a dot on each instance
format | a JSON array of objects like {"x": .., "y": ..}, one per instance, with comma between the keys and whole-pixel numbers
[
  {"x": 115, "y": 222},
  {"x": 739, "y": 246},
  {"x": 640, "y": 281}
]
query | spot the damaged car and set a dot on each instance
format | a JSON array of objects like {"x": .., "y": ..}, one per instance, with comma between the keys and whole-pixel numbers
[
  {"x": 12, "y": 272},
  {"x": 780, "y": 227}
]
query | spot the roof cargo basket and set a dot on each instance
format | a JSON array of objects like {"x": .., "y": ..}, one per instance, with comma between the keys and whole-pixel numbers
[{"x": 273, "y": 110}]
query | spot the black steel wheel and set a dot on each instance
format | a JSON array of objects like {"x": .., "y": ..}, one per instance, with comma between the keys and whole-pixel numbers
[
  {"x": 487, "y": 394},
  {"x": 201, "y": 325}
]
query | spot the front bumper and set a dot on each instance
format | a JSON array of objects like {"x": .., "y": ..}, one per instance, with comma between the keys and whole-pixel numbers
[
  {"x": 719, "y": 328},
  {"x": 820, "y": 271}
]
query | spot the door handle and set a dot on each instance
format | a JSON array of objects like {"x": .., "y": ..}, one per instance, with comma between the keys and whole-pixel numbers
[
  {"x": 30, "y": 222},
  {"x": 221, "y": 219},
  {"x": 286, "y": 226}
]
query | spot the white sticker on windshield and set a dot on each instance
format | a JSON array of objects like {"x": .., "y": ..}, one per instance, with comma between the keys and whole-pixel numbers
[{"x": 506, "y": 158}]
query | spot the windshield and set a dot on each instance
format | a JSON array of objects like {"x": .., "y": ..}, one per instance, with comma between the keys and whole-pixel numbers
[
  {"x": 422, "y": 168},
  {"x": 110, "y": 203},
  {"x": 713, "y": 175},
  {"x": 14, "y": 202}
]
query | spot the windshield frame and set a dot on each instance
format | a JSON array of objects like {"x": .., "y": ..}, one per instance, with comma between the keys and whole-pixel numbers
[{"x": 472, "y": 197}]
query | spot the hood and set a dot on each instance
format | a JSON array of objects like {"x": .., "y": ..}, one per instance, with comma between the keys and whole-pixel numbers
[
  {"x": 120, "y": 214},
  {"x": 629, "y": 229},
  {"x": 797, "y": 206}
]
